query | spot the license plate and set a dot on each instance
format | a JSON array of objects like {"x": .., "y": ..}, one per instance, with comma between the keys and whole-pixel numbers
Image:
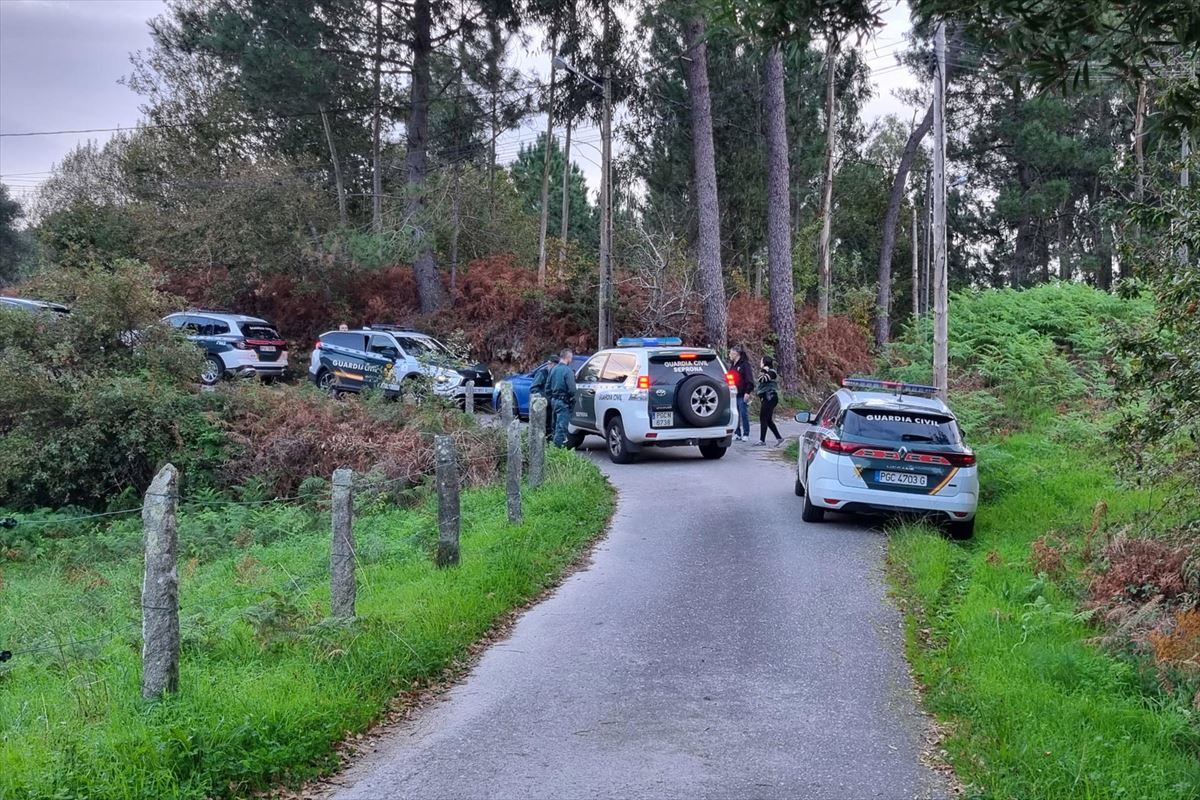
[
  {"x": 266, "y": 348},
  {"x": 904, "y": 478},
  {"x": 664, "y": 419}
]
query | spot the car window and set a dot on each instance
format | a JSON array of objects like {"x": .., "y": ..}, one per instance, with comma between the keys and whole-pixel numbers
[
  {"x": 827, "y": 416},
  {"x": 900, "y": 426},
  {"x": 176, "y": 321},
  {"x": 258, "y": 330},
  {"x": 591, "y": 370},
  {"x": 381, "y": 343},
  {"x": 206, "y": 326},
  {"x": 668, "y": 369},
  {"x": 352, "y": 341},
  {"x": 422, "y": 346},
  {"x": 619, "y": 367}
]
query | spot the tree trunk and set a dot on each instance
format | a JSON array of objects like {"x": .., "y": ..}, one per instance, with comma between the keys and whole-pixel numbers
[
  {"x": 455, "y": 226},
  {"x": 824, "y": 244},
  {"x": 545, "y": 221},
  {"x": 566, "y": 202},
  {"x": 376, "y": 123},
  {"x": 708, "y": 240},
  {"x": 343, "y": 219},
  {"x": 494, "y": 77},
  {"x": 429, "y": 285},
  {"x": 779, "y": 231},
  {"x": 883, "y": 296}
]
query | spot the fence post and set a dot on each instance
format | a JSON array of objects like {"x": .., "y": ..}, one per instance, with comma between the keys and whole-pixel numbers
[
  {"x": 160, "y": 587},
  {"x": 507, "y": 404},
  {"x": 469, "y": 399},
  {"x": 449, "y": 513},
  {"x": 342, "y": 588},
  {"x": 537, "y": 440},
  {"x": 514, "y": 471}
]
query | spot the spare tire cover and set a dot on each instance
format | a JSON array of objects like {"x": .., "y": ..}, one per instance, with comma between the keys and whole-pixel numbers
[{"x": 702, "y": 401}]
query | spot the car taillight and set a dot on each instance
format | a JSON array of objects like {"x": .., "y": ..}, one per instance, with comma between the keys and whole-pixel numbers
[
  {"x": 960, "y": 459},
  {"x": 731, "y": 379},
  {"x": 317, "y": 346},
  {"x": 643, "y": 382},
  {"x": 839, "y": 447}
]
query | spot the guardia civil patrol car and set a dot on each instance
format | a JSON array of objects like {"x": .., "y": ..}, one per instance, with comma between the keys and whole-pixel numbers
[
  {"x": 233, "y": 344},
  {"x": 396, "y": 360},
  {"x": 885, "y": 447},
  {"x": 653, "y": 392}
]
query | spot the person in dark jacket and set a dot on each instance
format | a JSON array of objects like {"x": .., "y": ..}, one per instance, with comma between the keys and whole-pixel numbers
[
  {"x": 768, "y": 396},
  {"x": 739, "y": 364},
  {"x": 541, "y": 378},
  {"x": 560, "y": 388}
]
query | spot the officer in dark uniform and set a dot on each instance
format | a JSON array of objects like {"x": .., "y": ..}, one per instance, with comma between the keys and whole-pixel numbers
[
  {"x": 537, "y": 388},
  {"x": 560, "y": 388}
]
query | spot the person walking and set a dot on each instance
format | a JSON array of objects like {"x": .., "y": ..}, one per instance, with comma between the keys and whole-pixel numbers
[
  {"x": 768, "y": 397},
  {"x": 739, "y": 364},
  {"x": 560, "y": 388}
]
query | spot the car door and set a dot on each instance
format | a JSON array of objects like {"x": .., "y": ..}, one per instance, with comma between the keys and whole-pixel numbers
[
  {"x": 822, "y": 426},
  {"x": 384, "y": 360},
  {"x": 342, "y": 353},
  {"x": 587, "y": 381}
]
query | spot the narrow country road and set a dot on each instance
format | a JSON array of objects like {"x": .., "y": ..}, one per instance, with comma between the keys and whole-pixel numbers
[{"x": 717, "y": 647}]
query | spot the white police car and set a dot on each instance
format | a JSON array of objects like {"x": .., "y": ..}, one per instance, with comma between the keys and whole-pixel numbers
[
  {"x": 233, "y": 344},
  {"x": 884, "y": 447},
  {"x": 654, "y": 393}
]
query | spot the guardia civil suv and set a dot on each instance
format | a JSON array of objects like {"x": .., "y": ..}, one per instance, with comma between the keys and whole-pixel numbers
[
  {"x": 233, "y": 344},
  {"x": 654, "y": 393},
  {"x": 885, "y": 447}
]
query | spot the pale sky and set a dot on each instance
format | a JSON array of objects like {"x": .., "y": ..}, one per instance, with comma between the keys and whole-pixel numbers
[{"x": 61, "y": 60}]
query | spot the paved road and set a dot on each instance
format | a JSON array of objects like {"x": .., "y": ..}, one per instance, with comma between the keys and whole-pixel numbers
[{"x": 717, "y": 647}]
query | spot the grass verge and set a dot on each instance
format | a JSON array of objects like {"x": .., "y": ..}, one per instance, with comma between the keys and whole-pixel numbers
[
  {"x": 1033, "y": 709},
  {"x": 268, "y": 685}
]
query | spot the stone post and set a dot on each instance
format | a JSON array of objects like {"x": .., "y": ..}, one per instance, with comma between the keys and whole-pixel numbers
[
  {"x": 507, "y": 404},
  {"x": 469, "y": 399},
  {"x": 537, "y": 440},
  {"x": 514, "y": 471},
  {"x": 449, "y": 513},
  {"x": 160, "y": 587},
  {"x": 342, "y": 588}
]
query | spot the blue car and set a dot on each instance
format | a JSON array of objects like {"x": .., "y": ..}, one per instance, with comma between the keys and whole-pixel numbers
[{"x": 521, "y": 383}]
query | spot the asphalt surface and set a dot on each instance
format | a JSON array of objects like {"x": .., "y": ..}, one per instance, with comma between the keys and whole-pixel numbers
[{"x": 717, "y": 647}]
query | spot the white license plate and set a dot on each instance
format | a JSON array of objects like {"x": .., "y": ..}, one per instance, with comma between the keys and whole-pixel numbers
[
  {"x": 904, "y": 478},
  {"x": 266, "y": 348},
  {"x": 664, "y": 419}
]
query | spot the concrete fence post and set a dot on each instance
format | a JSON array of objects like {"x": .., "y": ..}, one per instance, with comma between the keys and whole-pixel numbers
[
  {"x": 449, "y": 512},
  {"x": 342, "y": 587},
  {"x": 537, "y": 440},
  {"x": 469, "y": 398},
  {"x": 507, "y": 404},
  {"x": 160, "y": 587},
  {"x": 515, "y": 455}
]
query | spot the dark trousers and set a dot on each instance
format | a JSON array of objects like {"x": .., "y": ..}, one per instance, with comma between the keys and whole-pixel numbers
[
  {"x": 766, "y": 417},
  {"x": 562, "y": 416}
]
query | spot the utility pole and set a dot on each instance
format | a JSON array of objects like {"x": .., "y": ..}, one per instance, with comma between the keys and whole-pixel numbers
[
  {"x": 940, "y": 286},
  {"x": 928, "y": 274},
  {"x": 546, "y": 168},
  {"x": 825, "y": 242},
  {"x": 605, "y": 332},
  {"x": 916, "y": 278},
  {"x": 376, "y": 167},
  {"x": 566, "y": 200}
]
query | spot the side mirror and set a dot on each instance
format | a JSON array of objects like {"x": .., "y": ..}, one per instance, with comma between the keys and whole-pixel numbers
[{"x": 805, "y": 417}]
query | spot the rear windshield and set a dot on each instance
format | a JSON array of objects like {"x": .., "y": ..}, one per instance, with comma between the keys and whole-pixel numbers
[
  {"x": 900, "y": 426},
  {"x": 257, "y": 330},
  {"x": 671, "y": 368}
]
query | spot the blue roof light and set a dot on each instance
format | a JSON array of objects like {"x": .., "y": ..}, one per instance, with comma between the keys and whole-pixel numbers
[{"x": 650, "y": 341}]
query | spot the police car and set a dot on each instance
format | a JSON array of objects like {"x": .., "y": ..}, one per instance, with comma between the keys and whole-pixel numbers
[
  {"x": 885, "y": 447},
  {"x": 26, "y": 304},
  {"x": 654, "y": 393},
  {"x": 394, "y": 359},
  {"x": 233, "y": 344}
]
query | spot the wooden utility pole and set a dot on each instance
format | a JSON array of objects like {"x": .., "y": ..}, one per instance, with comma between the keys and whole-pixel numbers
[
  {"x": 916, "y": 276},
  {"x": 566, "y": 200},
  {"x": 545, "y": 221},
  {"x": 824, "y": 244},
  {"x": 940, "y": 286},
  {"x": 605, "y": 327},
  {"x": 376, "y": 123}
]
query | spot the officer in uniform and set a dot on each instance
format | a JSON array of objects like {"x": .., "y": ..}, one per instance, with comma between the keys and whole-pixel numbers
[
  {"x": 560, "y": 388},
  {"x": 537, "y": 388}
]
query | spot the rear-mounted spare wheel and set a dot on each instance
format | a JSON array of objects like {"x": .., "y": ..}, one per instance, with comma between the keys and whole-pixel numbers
[{"x": 702, "y": 401}]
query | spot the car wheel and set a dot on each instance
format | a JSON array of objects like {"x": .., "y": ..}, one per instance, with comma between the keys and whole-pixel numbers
[
  {"x": 213, "y": 371},
  {"x": 712, "y": 451},
  {"x": 811, "y": 513},
  {"x": 799, "y": 487},
  {"x": 618, "y": 445},
  {"x": 327, "y": 381},
  {"x": 701, "y": 401},
  {"x": 414, "y": 390},
  {"x": 961, "y": 531}
]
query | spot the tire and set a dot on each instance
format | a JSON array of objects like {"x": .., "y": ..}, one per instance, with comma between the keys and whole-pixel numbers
[
  {"x": 712, "y": 451},
  {"x": 811, "y": 513},
  {"x": 961, "y": 531},
  {"x": 414, "y": 390},
  {"x": 799, "y": 487},
  {"x": 214, "y": 370},
  {"x": 327, "y": 382},
  {"x": 702, "y": 401},
  {"x": 616, "y": 442}
]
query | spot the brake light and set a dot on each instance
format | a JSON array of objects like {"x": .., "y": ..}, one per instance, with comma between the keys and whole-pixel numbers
[
  {"x": 731, "y": 379},
  {"x": 961, "y": 459},
  {"x": 317, "y": 346},
  {"x": 837, "y": 446},
  {"x": 687, "y": 356},
  {"x": 643, "y": 382}
]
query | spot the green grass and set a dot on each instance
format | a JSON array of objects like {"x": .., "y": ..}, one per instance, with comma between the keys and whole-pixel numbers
[
  {"x": 1033, "y": 709},
  {"x": 268, "y": 685}
]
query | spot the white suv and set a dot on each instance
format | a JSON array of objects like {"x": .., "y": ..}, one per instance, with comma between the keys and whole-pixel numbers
[{"x": 654, "y": 393}]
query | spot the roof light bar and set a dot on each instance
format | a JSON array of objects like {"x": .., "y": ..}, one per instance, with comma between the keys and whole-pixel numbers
[
  {"x": 898, "y": 387},
  {"x": 651, "y": 341}
]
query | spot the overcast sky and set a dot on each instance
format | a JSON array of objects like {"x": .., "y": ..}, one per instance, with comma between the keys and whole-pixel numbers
[{"x": 61, "y": 60}]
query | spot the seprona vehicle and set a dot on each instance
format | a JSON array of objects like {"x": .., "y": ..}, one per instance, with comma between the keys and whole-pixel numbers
[
  {"x": 653, "y": 392},
  {"x": 25, "y": 304},
  {"x": 885, "y": 447},
  {"x": 397, "y": 360},
  {"x": 233, "y": 344},
  {"x": 522, "y": 382}
]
